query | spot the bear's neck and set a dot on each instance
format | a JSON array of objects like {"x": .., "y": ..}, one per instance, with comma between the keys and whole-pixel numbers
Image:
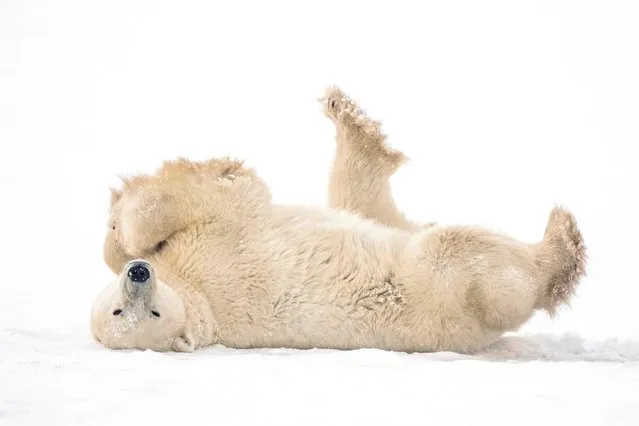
[{"x": 199, "y": 319}]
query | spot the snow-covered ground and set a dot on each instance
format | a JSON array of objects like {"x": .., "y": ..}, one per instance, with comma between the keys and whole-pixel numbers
[
  {"x": 503, "y": 107},
  {"x": 58, "y": 377}
]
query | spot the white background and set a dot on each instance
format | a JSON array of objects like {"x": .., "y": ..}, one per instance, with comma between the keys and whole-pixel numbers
[{"x": 504, "y": 108}]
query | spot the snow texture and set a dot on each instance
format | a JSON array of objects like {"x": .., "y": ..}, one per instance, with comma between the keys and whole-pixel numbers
[
  {"x": 504, "y": 109},
  {"x": 62, "y": 378}
]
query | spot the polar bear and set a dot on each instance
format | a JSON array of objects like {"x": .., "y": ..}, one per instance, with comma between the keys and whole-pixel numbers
[{"x": 204, "y": 257}]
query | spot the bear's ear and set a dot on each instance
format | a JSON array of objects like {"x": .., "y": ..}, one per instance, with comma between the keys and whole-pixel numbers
[{"x": 184, "y": 343}]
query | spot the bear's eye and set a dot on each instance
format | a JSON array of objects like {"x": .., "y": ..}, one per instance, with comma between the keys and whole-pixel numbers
[
  {"x": 117, "y": 312},
  {"x": 156, "y": 313}
]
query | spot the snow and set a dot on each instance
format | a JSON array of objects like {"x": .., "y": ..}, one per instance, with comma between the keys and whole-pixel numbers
[
  {"x": 65, "y": 378},
  {"x": 504, "y": 108}
]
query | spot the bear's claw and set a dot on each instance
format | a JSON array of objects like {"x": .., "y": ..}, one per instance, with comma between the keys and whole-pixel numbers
[
  {"x": 345, "y": 112},
  {"x": 355, "y": 128}
]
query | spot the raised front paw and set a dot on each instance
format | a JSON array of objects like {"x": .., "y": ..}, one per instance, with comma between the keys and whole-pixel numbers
[
  {"x": 356, "y": 129},
  {"x": 348, "y": 115}
]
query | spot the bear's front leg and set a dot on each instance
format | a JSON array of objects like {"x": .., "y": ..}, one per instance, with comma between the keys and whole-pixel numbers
[{"x": 363, "y": 163}]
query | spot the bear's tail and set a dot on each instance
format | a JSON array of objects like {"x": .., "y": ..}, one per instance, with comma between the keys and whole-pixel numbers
[{"x": 562, "y": 257}]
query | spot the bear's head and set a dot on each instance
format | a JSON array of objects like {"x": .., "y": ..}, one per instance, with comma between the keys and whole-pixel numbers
[
  {"x": 175, "y": 219},
  {"x": 136, "y": 311}
]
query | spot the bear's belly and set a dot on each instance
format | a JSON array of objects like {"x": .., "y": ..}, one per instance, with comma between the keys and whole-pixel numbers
[{"x": 340, "y": 316}]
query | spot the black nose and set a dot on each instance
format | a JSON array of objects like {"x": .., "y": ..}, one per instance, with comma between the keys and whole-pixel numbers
[{"x": 138, "y": 273}]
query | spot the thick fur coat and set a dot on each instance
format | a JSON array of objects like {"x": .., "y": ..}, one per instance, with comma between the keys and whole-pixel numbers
[{"x": 230, "y": 267}]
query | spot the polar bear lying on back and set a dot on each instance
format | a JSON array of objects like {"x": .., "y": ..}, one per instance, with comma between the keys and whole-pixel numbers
[{"x": 204, "y": 257}]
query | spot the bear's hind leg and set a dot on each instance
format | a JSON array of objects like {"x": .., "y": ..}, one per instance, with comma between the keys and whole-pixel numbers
[
  {"x": 359, "y": 178},
  {"x": 472, "y": 284},
  {"x": 502, "y": 281}
]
